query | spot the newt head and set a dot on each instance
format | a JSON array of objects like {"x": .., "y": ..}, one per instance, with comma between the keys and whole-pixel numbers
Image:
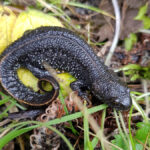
[
  {"x": 123, "y": 101},
  {"x": 115, "y": 94}
]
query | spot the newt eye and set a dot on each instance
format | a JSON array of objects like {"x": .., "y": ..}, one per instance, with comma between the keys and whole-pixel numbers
[{"x": 123, "y": 90}]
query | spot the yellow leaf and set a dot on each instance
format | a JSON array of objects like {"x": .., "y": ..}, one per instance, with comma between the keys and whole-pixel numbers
[
  {"x": 7, "y": 21},
  {"x": 28, "y": 79},
  {"x": 65, "y": 84},
  {"x": 32, "y": 19}
]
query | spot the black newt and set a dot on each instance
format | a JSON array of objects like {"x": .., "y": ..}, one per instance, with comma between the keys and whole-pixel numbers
[{"x": 62, "y": 50}]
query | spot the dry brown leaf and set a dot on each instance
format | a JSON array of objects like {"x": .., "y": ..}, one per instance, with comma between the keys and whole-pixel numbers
[
  {"x": 105, "y": 32},
  {"x": 9, "y": 146},
  {"x": 24, "y": 2},
  {"x": 130, "y": 25},
  {"x": 136, "y": 3}
]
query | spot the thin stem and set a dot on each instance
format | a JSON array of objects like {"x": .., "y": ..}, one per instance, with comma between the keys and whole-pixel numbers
[
  {"x": 117, "y": 32},
  {"x": 145, "y": 88},
  {"x": 144, "y": 31},
  {"x": 119, "y": 127}
]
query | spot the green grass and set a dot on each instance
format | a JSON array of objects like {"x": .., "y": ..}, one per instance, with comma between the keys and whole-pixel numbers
[
  {"x": 126, "y": 140},
  {"x": 20, "y": 128},
  {"x": 123, "y": 140}
]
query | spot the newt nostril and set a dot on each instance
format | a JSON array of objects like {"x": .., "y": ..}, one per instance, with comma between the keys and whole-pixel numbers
[{"x": 123, "y": 103}]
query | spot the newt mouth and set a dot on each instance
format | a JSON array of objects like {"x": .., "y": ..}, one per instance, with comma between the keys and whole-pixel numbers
[{"x": 120, "y": 104}]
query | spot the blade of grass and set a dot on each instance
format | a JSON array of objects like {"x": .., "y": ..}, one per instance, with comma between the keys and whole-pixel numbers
[
  {"x": 93, "y": 123},
  {"x": 63, "y": 102},
  {"x": 87, "y": 143},
  {"x": 102, "y": 126},
  {"x": 129, "y": 126},
  {"x": 95, "y": 139},
  {"x": 4, "y": 113},
  {"x": 76, "y": 115},
  {"x": 66, "y": 111},
  {"x": 124, "y": 129},
  {"x": 145, "y": 89},
  {"x": 2, "y": 94},
  {"x": 17, "y": 104},
  {"x": 3, "y": 101},
  {"x": 139, "y": 109},
  {"x": 13, "y": 134},
  {"x": 16, "y": 132},
  {"x": 85, "y": 6},
  {"x": 94, "y": 142},
  {"x": 120, "y": 130},
  {"x": 86, "y": 128},
  {"x": 16, "y": 125},
  {"x": 60, "y": 120},
  {"x": 57, "y": 11},
  {"x": 8, "y": 98},
  {"x": 76, "y": 4},
  {"x": 142, "y": 96}
]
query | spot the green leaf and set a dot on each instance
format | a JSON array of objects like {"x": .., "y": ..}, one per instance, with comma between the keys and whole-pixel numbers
[
  {"x": 142, "y": 16},
  {"x": 94, "y": 142},
  {"x": 131, "y": 66},
  {"x": 129, "y": 42},
  {"x": 142, "y": 134},
  {"x": 146, "y": 22},
  {"x": 14, "y": 133},
  {"x": 142, "y": 12},
  {"x": 134, "y": 77},
  {"x": 136, "y": 71},
  {"x": 119, "y": 142},
  {"x": 139, "y": 147}
]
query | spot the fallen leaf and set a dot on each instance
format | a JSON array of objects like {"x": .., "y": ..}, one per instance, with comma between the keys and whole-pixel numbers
[
  {"x": 24, "y": 2},
  {"x": 32, "y": 19},
  {"x": 26, "y": 77},
  {"x": 105, "y": 32},
  {"x": 7, "y": 21},
  {"x": 130, "y": 25},
  {"x": 135, "y": 3}
]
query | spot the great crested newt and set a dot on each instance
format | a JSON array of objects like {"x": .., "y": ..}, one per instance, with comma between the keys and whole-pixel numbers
[{"x": 63, "y": 50}]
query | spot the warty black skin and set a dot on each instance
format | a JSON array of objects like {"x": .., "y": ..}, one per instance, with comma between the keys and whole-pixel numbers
[{"x": 63, "y": 50}]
